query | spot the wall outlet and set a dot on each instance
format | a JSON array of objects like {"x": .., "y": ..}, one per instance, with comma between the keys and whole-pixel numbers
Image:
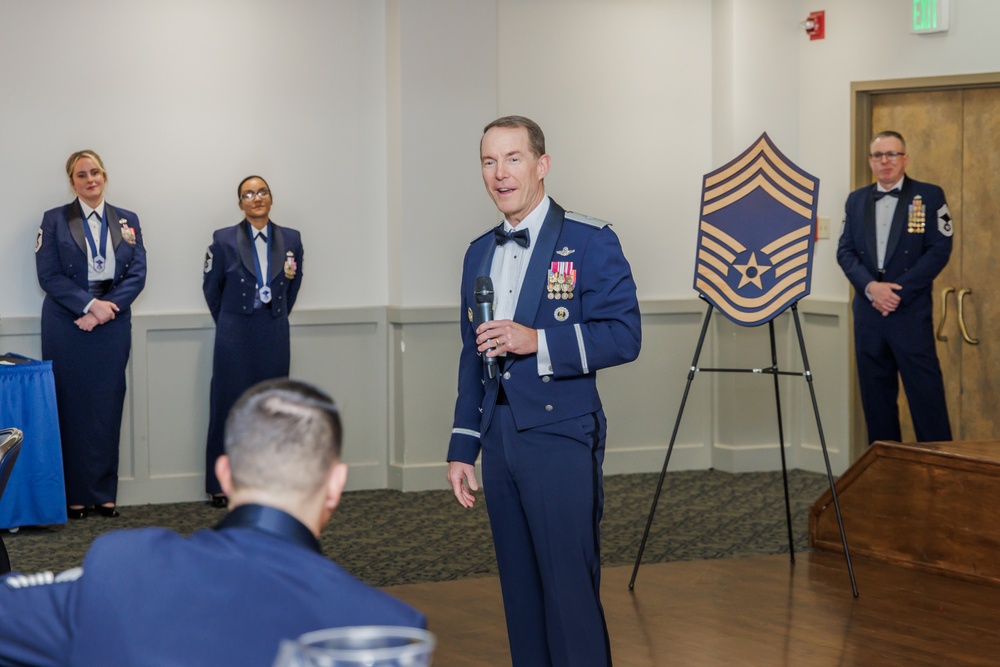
[{"x": 822, "y": 228}]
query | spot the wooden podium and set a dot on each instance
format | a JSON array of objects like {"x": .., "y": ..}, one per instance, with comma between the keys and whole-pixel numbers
[{"x": 928, "y": 506}]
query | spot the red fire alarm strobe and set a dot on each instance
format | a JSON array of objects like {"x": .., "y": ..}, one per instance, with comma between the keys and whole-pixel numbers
[{"x": 815, "y": 25}]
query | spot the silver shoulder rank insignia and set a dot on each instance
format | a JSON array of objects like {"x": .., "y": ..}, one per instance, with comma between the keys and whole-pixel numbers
[
  {"x": 945, "y": 224},
  {"x": 586, "y": 219},
  {"x": 208, "y": 260},
  {"x": 561, "y": 314},
  {"x": 38, "y": 241},
  {"x": 71, "y": 574},
  {"x": 43, "y": 578},
  {"x": 565, "y": 252}
]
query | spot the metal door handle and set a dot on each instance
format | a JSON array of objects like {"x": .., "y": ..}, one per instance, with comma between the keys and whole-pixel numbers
[
  {"x": 944, "y": 313},
  {"x": 961, "y": 318}
]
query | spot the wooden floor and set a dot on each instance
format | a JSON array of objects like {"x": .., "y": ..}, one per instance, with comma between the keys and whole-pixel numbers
[{"x": 750, "y": 611}]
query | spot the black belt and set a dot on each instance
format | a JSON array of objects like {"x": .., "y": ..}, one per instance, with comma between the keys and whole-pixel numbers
[{"x": 98, "y": 288}]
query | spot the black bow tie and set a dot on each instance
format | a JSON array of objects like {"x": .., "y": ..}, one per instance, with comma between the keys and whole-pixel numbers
[
  {"x": 518, "y": 236},
  {"x": 261, "y": 236},
  {"x": 892, "y": 193}
]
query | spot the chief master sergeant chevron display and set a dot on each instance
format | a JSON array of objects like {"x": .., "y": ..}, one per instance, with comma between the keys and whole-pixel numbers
[{"x": 755, "y": 239}]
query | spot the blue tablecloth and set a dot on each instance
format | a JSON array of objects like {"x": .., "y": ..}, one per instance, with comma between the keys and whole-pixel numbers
[{"x": 36, "y": 493}]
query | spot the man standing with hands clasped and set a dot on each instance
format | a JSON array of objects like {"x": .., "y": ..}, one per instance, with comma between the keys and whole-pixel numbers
[
  {"x": 897, "y": 238},
  {"x": 564, "y": 306}
]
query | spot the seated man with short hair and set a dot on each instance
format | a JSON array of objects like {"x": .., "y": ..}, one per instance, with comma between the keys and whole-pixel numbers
[{"x": 225, "y": 596}]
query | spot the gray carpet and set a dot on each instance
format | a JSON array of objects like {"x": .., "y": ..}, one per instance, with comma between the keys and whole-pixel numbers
[{"x": 389, "y": 537}]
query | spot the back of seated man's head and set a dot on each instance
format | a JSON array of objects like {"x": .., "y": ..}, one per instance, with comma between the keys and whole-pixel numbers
[{"x": 283, "y": 437}]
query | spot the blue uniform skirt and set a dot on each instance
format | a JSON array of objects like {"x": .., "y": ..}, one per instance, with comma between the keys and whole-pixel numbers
[
  {"x": 248, "y": 350},
  {"x": 89, "y": 371}
]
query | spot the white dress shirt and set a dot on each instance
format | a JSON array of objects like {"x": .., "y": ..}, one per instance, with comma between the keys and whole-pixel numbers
[
  {"x": 510, "y": 264},
  {"x": 885, "y": 208},
  {"x": 94, "y": 222}
]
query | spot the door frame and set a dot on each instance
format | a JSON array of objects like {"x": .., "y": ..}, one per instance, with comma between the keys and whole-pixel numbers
[{"x": 862, "y": 93}]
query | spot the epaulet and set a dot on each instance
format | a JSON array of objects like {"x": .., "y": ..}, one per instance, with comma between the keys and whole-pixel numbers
[
  {"x": 586, "y": 219},
  {"x": 42, "y": 578}
]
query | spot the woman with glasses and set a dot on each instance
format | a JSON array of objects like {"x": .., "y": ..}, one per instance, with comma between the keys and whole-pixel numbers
[
  {"x": 92, "y": 265},
  {"x": 253, "y": 272}
]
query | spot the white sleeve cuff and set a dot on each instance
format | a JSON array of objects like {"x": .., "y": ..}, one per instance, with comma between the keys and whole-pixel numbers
[{"x": 542, "y": 356}]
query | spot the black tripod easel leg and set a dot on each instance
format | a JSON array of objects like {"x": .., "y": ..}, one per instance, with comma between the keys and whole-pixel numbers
[
  {"x": 822, "y": 441},
  {"x": 781, "y": 441},
  {"x": 670, "y": 447}
]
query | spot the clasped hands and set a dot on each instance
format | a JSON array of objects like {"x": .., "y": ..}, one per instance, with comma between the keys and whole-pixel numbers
[
  {"x": 884, "y": 297},
  {"x": 100, "y": 312}
]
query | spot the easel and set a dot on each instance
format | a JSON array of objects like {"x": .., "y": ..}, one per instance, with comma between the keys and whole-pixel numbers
[{"x": 774, "y": 372}]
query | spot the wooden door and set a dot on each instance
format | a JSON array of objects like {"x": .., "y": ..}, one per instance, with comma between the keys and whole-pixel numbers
[
  {"x": 980, "y": 266},
  {"x": 952, "y": 139}
]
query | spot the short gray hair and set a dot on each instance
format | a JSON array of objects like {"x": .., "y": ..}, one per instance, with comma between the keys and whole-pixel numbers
[
  {"x": 889, "y": 133},
  {"x": 536, "y": 138}
]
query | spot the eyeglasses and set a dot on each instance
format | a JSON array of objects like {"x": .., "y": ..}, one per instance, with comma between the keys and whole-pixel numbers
[
  {"x": 248, "y": 196},
  {"x": 891, "y": 156}
]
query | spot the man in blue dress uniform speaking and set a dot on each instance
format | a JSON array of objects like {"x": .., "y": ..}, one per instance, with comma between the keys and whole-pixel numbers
[
  {"x": 226, "y": 596},
  {"x": 565, "y": 306}
]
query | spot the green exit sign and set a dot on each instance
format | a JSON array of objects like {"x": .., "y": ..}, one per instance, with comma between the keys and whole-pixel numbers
[{"x": 929, "y": 16}]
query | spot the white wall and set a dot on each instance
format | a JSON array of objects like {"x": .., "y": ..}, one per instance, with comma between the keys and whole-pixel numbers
[
  {"x": 444, "y": 92},
  {"x": 365, "y": 117},
  {"x": 623, "y": 92},
  {"x": 183, "y": 99}
]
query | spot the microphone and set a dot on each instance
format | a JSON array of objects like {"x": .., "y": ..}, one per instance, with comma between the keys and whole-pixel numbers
[{"x": 484, "y": 313}]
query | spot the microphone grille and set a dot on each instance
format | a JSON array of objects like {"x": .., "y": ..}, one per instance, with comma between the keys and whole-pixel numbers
[{"x": 484, "y": 289}]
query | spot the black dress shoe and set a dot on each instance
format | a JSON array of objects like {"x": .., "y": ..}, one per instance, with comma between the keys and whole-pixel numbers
[
  {"x": 109, "y": 512},
  {"x": 76, "y": 512},
  {"x": 219, "y": 501}
]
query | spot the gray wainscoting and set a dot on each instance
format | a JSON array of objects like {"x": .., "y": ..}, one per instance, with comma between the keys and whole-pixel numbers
[{"x": 393, "y": 373}]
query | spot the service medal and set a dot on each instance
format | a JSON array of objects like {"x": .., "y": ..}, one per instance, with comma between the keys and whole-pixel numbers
[
  {"x": 917, "y": 219},
  {"x": 562, "y": 279},
  {"x": 265, "y": 294},
  {"x": 128, "y": 234}
]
